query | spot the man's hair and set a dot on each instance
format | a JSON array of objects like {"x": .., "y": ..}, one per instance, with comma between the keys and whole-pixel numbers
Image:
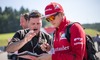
[
  {"x": 34, "y": 14},
  {"x": 25, "y": 15}
]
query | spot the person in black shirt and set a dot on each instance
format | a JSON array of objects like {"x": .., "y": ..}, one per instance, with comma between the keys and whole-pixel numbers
[{"x": 31, "y": 38}]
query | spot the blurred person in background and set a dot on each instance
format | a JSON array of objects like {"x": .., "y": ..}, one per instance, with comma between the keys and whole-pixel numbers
[
  {"x": 97, "y": 39},
  {"x": 24, "y": 20}
]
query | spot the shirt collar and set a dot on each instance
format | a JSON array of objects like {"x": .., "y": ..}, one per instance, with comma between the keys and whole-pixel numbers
[{"x": 63, "y": 23}]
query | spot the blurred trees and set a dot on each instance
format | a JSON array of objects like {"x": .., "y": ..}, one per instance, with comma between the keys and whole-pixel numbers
[
  {"x": 95, "y": 26},
  {"x": 9, "y": 20}
]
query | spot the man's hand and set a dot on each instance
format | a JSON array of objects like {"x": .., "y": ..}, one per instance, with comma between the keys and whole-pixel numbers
[
  {"x": 45, "y": 47},
  {"x": 44, "y": 57},
  {"x": 28, "y": 57},
  {"x": 29, "y": 35}
]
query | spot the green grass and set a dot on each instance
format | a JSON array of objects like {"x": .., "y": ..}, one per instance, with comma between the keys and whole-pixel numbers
[
  {"x": 91, "y": 32},
  {"x": 4, "y": 38}
]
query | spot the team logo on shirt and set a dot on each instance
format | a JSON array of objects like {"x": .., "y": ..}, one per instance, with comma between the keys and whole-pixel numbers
[
  {"x": 78, "y": 41},
  {"x": 62, "y": 36}
]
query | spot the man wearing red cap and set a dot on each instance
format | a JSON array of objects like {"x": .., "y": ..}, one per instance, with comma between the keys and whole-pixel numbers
[{"x": 63, "y": 50}]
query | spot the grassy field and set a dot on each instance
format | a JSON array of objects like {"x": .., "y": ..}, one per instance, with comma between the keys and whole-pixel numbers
[
  {"x": 4, "y": 37},
  {"x": 91, "y": 32}
]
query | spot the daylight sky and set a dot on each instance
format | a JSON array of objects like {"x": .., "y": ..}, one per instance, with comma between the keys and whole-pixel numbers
[{"x": 83, "y": 11}]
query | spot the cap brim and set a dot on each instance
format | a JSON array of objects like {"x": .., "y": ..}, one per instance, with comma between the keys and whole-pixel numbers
[{"x": 50, "y": 14}]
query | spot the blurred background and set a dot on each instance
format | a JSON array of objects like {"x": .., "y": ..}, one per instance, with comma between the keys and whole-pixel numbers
[{"x": 87, "y": 12}]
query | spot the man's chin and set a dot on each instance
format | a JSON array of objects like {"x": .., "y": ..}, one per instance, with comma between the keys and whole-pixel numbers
[{"x": 36, "y": 32}]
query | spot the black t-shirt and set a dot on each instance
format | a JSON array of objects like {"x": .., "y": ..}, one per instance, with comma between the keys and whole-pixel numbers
[{"x": 32, "y": 45}]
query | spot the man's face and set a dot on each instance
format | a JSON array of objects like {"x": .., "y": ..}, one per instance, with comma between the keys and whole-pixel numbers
[
  {"x": 35, "y": 24},
  {"x": 23, "y": 22},
  {"x": 55, "y": 20}
]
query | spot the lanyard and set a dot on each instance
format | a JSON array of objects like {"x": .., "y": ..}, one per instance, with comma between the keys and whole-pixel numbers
[{"x": 37, "y": 44}]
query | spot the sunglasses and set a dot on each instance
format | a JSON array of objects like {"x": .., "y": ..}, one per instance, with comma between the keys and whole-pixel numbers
[{"x": 52, "y": 17}]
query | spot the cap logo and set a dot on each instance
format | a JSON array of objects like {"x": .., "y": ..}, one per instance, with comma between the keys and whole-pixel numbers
[
  {"x": 57, "y": 7},
  {"x": 49, "y": 9}
]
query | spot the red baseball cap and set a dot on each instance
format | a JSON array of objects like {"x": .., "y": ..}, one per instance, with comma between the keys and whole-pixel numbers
[{"x": 53, "y": 8}]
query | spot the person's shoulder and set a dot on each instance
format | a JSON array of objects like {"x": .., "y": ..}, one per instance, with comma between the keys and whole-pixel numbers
[
  {"x": 23, "y": 31},
  {"x": 45, "y": 33},
  {"x": 77, "y": 25},
  {"x": 20, "y": 30}
]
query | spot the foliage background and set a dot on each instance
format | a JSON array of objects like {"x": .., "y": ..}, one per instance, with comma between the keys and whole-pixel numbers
[{"x": 9, "y": 19}]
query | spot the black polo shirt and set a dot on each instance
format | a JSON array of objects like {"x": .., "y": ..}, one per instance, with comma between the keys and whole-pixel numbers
[{"x": 34, "y": 44}]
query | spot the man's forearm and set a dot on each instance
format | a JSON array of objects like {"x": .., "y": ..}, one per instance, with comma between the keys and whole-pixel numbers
[{"x": 15, "y": 46}]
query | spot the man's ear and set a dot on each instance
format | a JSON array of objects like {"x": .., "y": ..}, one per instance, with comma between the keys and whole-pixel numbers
[{"x": 62, "y": 14}]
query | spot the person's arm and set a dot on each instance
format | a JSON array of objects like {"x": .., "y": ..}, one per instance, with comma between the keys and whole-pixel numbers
[
  {"x": 45, "y": 57},
  {"x": 15, "y": 46}
]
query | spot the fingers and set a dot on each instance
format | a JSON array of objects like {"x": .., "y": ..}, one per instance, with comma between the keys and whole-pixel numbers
[
  {"x": 48, "y": 47},
  {"x": 45, "y": 57},
  {"x": 45, "y": 47},
  {"x": 30, "y": 35}
]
